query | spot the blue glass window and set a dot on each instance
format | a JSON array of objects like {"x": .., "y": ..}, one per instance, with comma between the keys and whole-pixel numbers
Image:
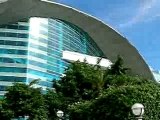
[
  {"x": 2, "y": 26},
  {"x": 13, "y": 69},
  {"x": 8, "y": 34},
  {"x": 13, "y": 60},
  {"x": 2, "y": 88},
  {"x": 38, "y": 47},
  {"x": 13, "y": 51},
  {"x": 2, "y": 34},
  {"x": 14, "y": 43},
  {"x": 21, "y": 35},
  {"x": 42, "y": 74},
  {"x": 12, "y": 79},
  {"x": 23, "y": 27},
  {"x": 11, "y": 34},
  {"x": 12, "y": 26}
]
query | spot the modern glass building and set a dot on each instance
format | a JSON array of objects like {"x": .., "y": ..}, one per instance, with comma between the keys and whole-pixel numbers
[{"x": 32, "y": 49}]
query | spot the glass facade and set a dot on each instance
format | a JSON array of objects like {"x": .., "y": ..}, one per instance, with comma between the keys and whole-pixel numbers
[
  {"x": 32, "y": 49},
  {"x": 156, "y": 75}
]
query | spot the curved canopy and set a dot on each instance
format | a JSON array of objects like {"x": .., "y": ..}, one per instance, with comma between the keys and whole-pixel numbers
[{"x": 108, "y": 40}]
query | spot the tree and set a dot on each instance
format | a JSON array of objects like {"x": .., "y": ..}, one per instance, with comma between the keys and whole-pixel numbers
[
  {"x": 81, "y": 82},
  {"x": 54, "y": 102},
  {"x": 116, "y": 102},
  {"x": 85, "y": 92},
  {"x": 117, "y": 68},
  {"x": 80, "y": 111},
  {"x": 119, "y": 92},
  {"x": 22, "y": 100}
]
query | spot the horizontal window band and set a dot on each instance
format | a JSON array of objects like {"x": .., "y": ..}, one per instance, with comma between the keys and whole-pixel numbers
[
  {"x": 13, "y": 69},
  {"x": 9, "y": 74},
  {"x": 5, "y": 60},
  {"x": 19, "y": 65},
  {"x": 13, "y": 43},
  {"x": 13, "y": 51},
  {"x": 14, "y": 47},
  {"x": 6, "y": 79}
]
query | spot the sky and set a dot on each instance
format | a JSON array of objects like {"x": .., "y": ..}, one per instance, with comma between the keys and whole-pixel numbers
[{"x": 137, "y": 20}]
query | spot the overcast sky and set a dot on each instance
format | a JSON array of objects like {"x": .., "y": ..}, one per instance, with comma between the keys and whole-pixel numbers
[{"x": 137, "y": 20}]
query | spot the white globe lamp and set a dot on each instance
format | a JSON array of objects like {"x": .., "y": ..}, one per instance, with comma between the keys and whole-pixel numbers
[
  {"x": 138, "y": 110},
  {"x": 60, "y": 114}
]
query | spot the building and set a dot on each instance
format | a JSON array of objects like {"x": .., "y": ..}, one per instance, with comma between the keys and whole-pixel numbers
[
  {"x": 156, "y": 74},
  {"x": 32, "y": 47}
]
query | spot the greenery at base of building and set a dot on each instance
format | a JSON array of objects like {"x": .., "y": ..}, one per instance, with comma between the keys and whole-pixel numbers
[
  {"x": 23, "y": 100},
  {"x": 86, "y": 92}
]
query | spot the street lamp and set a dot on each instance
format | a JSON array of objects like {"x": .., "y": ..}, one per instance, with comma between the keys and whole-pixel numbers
[
  {"x": 60, "y": 114},
  {"x": 138, "y": 110}
]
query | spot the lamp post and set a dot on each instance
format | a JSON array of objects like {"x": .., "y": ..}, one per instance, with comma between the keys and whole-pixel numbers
[
  {"x": 60, "y": 114},
  {"x": 138, "y": 110}
]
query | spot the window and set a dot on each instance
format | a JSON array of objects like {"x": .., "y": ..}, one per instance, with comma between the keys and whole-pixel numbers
[
  {"x": 21, "y": 35},
  {"x": 12, "y": 26},
  {"x": 23, "y": 27},
  {"x": 2, "y": 88},
  {"x": 14, "y": 43},
  {"x": 11, "y": 34},
  {"x": 3, "y": 26},
  {"x": 2, "y": 34},
  {"x": 13, "y": 60},
  {"x": 12, "y": 79},
  {"x": 13, "y": 69},
  {"x": 1, "y": 42}
]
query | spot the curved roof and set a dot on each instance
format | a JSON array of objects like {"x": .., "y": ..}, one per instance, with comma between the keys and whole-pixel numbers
[{"x": 108, "y": 40}]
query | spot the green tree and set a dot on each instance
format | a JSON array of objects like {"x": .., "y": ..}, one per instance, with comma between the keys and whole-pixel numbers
[
  {"x": 119, "y": 92},
  {"x": 117, "y": 68},
  {"x": 81, "y": 111},
  {"x": 115, "y": 103},
  {"x": 81, "y": 82},
  {"x": 54, "y": 102},
  {"x": 22, "y": 100}
]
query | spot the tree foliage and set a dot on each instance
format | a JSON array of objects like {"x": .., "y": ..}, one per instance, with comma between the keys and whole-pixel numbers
[
  {"x": 81, "y": 82},
  {"x": 116, "y": 101},
  {"x": 118, "y": 93},
  {"x": 54, "y": 102},
  {"x": 23, "y": 100},
  {"x": 117, "y": 68},
  {"x": 86, "y": 92}
]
